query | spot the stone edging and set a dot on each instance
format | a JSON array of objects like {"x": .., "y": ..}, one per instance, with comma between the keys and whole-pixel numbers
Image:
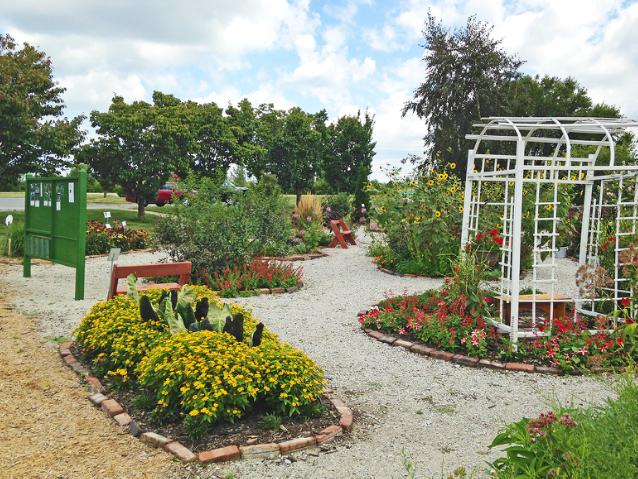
[
  {"x": 116, "y": 411},
  {"x": 102, "y": 255},
  {"x": 418, "y": 347},
  {"x": 296, "y": 257},
  {"x": 260, "y": 291},
  {"x": 394, "y": 273}
]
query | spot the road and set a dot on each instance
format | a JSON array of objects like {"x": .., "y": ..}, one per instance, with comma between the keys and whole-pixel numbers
[{"x": 17, "y": 204}]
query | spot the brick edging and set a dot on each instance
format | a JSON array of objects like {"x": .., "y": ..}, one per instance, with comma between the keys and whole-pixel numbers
[
  {"x": 295, "y": 257},
  {"x": 394, "y": 273},
  {"x": 418, "y": 347},
  {"x": 260, "y": 291},
  {"x": 116, "y": 411},
  {"x": 103, "y": 255}
]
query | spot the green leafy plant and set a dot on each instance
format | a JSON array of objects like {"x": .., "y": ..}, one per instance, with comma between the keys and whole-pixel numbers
[
  {"x": 572, "y": 442},
  {"x": 271, "y": 421}
]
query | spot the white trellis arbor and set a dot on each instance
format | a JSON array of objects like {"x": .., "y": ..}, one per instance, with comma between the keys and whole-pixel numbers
[{"x": 514, "y": 158}]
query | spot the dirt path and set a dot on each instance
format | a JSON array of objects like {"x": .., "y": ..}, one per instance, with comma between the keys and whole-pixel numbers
[{"x": 48, "y": 429}]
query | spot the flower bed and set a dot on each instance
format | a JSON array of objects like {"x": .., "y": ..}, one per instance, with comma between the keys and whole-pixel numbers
[
  {"x": 100, "y": 239},
  {"x": 455, "y": 318},
  {"x": 195, "y": 361},
  {"x": 255, "y": 277}
]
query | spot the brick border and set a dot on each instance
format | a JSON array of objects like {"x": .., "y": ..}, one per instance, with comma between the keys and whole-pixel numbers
[
  {"x": 418, "y": 347},
  {"x": 394, "y": 273},
  {"x": 262, "y": 291},
  {"x": 116, "y": 411},
  {"x": 295, "y": 257}
]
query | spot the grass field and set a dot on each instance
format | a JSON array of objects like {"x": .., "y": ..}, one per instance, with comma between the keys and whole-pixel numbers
[
  {"x": 111, "y": 198},
  {"x": 130, "y": 216}
]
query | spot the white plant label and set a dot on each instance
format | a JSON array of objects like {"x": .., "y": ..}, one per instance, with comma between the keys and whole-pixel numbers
[
  {"x": 107, "y": 214},
  {"x": 8, "y": 220},
  {"x": 71, "y": 192},
  {"x": 108, "y": 226}
]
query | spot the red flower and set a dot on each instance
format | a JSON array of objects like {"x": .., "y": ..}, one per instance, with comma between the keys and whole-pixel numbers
[
  {"x": 605, "y": 246},
  {"x": 480, "y": 236},
  {"x": 619, "y": 342},
  {"x": 629, "y": 321},
  {"x": 443, "y": 292},
  {"x": 625, "y": 302},
  {"x": 494, "y": 232},
  {"x": 498, "y": 240},
  {"x": 488, "y": 300},
  {"x": 611, "y": 239}
]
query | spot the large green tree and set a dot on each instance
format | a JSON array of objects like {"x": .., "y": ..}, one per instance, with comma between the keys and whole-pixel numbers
[
  {"x": 33, "y": 136},
  {"x": 466, "y": 77},
  {"x": 349, "y": 150},
  {"x": 140, "y": 144},
  {"x": 295, "y": 154}
]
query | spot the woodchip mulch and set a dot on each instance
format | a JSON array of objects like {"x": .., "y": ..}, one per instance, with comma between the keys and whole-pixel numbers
[{"x": 48, "y": 429}]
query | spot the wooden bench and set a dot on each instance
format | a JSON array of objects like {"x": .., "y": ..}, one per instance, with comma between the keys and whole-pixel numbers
[
  {"x": 543, "y": 304},
  {"x": 342, "y": 234},
  {"x": 183, "y": 269}
]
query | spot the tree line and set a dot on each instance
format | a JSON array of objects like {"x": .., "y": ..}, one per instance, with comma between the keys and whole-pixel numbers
[{"x": 139, "y": 145}]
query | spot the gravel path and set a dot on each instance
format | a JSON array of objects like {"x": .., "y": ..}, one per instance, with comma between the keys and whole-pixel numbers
[{"x": 442, "y": 415}]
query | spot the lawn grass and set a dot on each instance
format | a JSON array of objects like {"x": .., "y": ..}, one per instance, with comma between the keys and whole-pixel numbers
[
  {"x": 111, "y": 198},
  {"x": 130, "y": 216}
]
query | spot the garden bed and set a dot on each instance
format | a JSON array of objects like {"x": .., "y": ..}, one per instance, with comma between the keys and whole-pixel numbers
[{"x": 198, "y": 387}]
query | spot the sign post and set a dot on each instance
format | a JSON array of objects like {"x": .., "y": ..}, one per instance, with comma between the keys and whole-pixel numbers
[{"x": 55, "y": 223}]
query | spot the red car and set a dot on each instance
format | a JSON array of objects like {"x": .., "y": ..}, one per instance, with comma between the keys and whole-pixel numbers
[{"x": 164, "y": 195}]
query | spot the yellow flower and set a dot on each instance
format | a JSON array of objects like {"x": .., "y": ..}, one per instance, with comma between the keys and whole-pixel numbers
[
  {"x": 453, "y": 189},
  {"x": 430, "y": 182},
  {"x": 193, "y": 413},
  {"x": 452, "y": 166},
  {"x": 437, "y": 214},
  {"x": 460, "y": 209}
]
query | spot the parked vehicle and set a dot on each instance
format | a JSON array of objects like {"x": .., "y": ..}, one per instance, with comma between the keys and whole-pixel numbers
[{"x": 165, "y": 194}]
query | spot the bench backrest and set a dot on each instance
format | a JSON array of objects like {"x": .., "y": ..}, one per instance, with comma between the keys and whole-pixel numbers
[{"x": 183, "y": 269}]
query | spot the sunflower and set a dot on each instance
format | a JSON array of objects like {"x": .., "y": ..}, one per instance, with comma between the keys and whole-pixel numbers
[
  {"x": 452, "y": 166},
  {"x": 460, "y": 209},
  {"x": 430, "y": 182},
  {"x": 437, "y": 214},
  {"x": 453, "y": 190}
]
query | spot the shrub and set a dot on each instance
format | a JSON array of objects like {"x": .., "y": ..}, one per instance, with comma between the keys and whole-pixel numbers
[
  {"x": 574, "y": 442},
  {"x": 213, "y": 234},
  {"x": 336, "y": 207},
  {"x": 257, "y": 274}
]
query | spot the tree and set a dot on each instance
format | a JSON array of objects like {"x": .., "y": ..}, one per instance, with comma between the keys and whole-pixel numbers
[
  {"x": 32, "y": 140},
  {"x": 139, "y": 145},
  {"x": 215, "y": 145},
  {"x": 349, "y": 146},
  {"x": 296, "y": 152},
  {"x": 467, "y": 73},
  {"x": 247, "y": 130}
]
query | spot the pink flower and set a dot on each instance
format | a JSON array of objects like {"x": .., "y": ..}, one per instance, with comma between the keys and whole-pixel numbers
[
  {"x": 402, "y": 331},
  {"x": 582, "y": 351}
]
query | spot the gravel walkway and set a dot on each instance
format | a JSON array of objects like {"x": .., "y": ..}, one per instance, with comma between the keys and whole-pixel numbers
[{"x": 442, "y": 415}]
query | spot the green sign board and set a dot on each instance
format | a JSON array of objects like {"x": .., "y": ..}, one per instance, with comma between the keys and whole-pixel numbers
[{"x": 55, "y": 223}]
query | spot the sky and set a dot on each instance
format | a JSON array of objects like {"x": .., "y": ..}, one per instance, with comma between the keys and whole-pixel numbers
[{"x": 342, "y": 56}]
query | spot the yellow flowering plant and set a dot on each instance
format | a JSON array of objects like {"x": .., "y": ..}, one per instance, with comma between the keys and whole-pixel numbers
[{"x": 200, "y": 377}]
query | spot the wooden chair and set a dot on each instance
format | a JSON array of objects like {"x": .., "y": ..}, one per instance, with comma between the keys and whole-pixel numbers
[
  {"x": 342, "y": 233},
  {"x": 182, "y": 269}
]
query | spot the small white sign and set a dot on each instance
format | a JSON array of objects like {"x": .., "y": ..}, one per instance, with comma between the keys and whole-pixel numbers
[
  {"x": 107, "y": 214},
  {"x": 108, "y": 226},
  {"x": 58, "y": 205},
  {"x": 8, "y": 220},
  {"x": 71, "y": 192},
  {"x": 123, "y": 224}
]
